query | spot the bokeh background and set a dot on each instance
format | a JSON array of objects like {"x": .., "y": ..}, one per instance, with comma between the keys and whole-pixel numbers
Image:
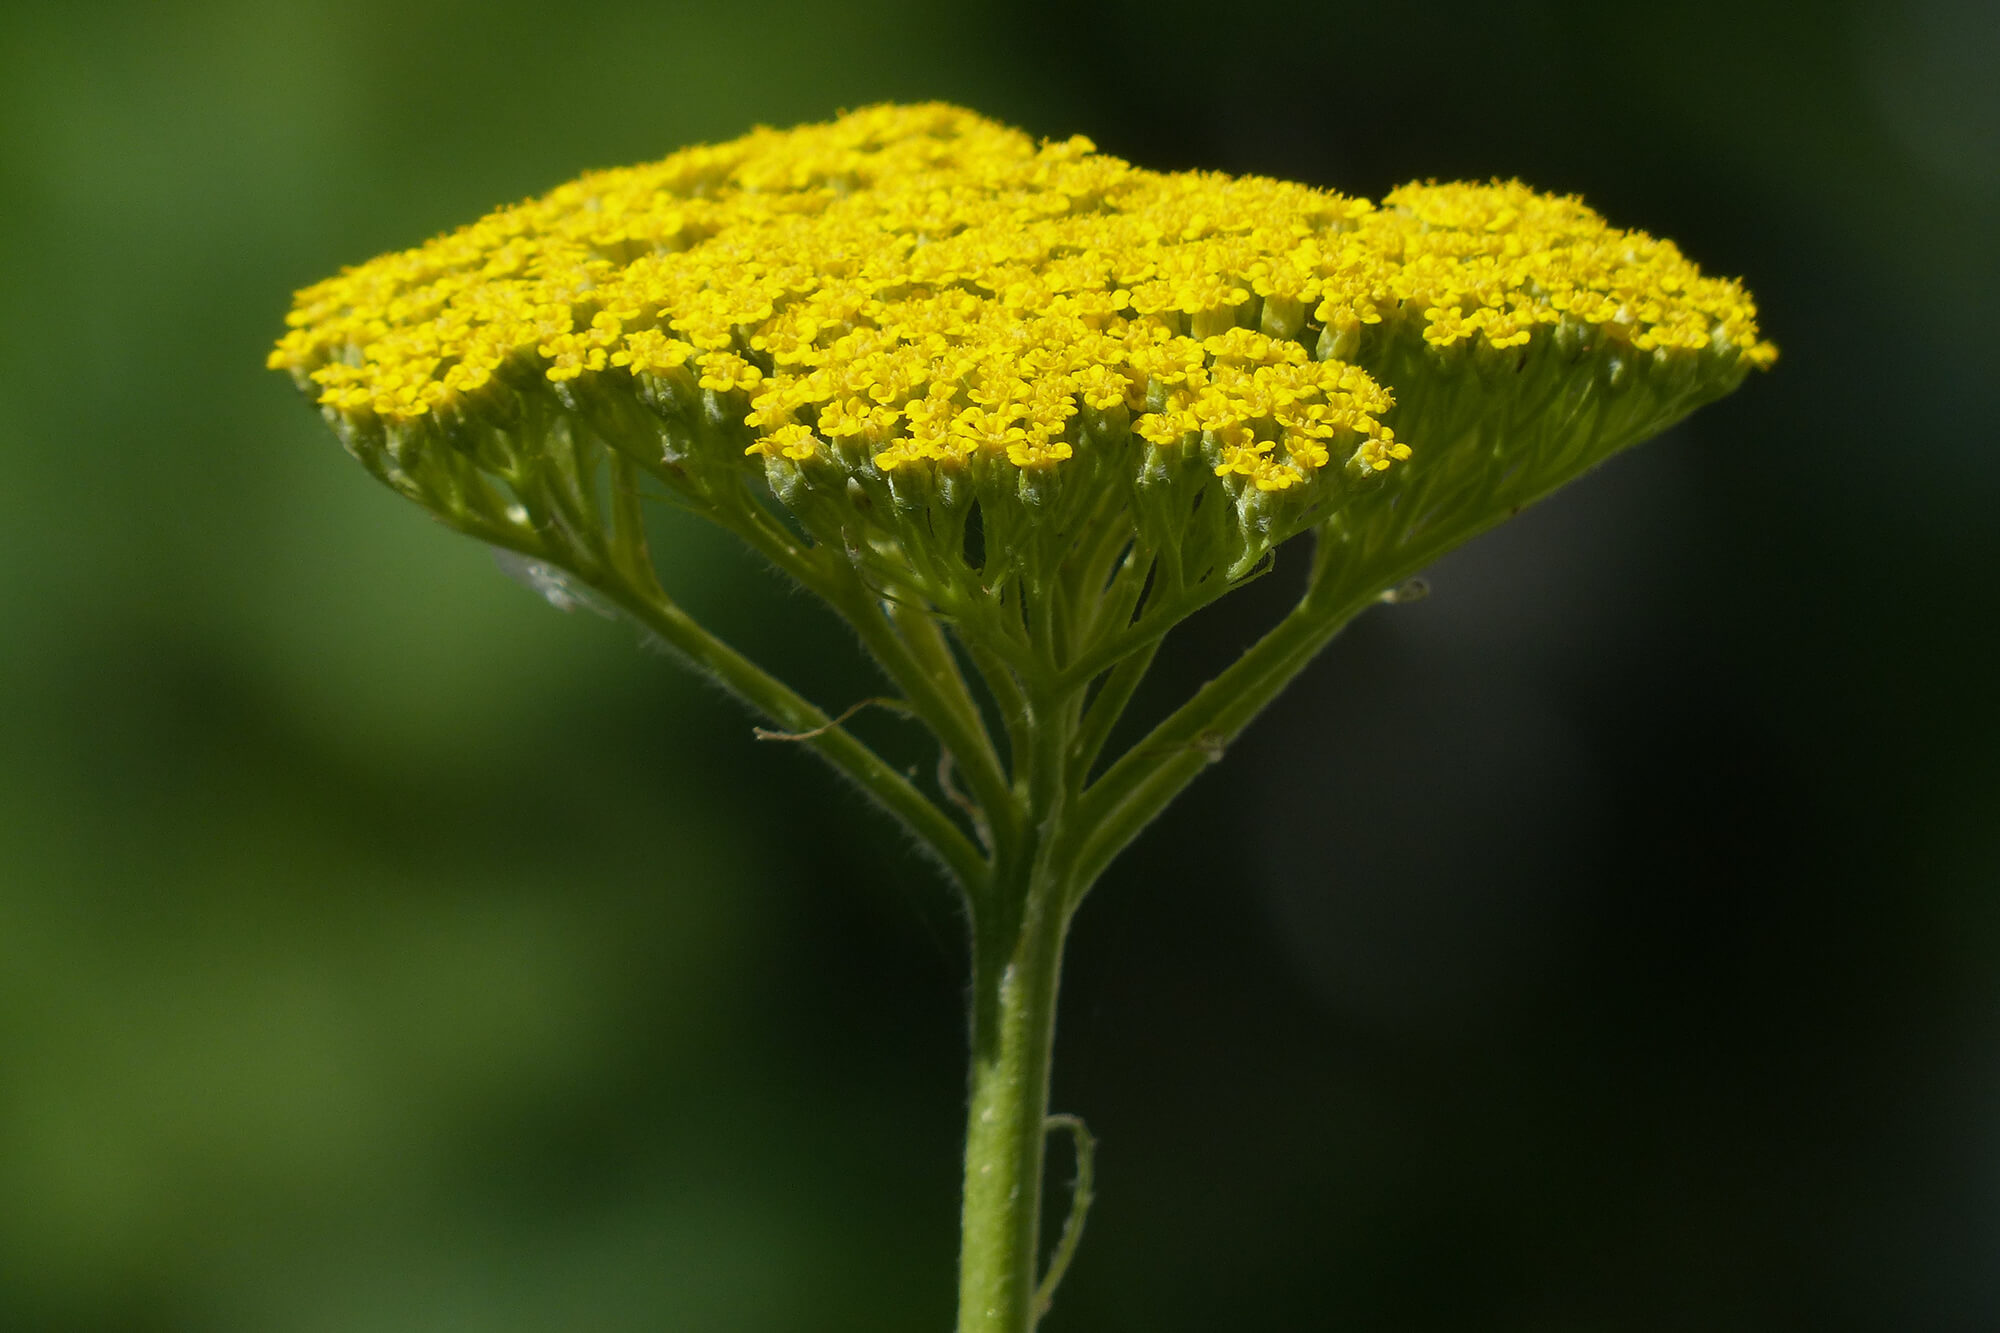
[{"x": 1611, "y": 941}]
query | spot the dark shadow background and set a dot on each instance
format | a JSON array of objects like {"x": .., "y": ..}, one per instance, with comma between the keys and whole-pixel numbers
[{"x": 1610, "y": 942}]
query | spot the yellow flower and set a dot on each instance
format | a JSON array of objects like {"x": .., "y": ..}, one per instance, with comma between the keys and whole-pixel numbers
[{"x": 942, "y": 299}]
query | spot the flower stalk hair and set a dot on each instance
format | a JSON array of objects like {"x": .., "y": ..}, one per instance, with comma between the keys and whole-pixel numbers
[{"x": 1014, "y": 410}]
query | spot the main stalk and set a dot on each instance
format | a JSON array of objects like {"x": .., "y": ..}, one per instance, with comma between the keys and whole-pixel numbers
[
  {"x": 1060, "y": 834},
  {"x": 1015, "y": 980},
  {"x": 1018, "y": 928}
]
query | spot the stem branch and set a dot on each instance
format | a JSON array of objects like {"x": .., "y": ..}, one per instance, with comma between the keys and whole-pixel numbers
[
  {"x": 792, "y": 713},
  {"x": 1081, "y": 1195}
]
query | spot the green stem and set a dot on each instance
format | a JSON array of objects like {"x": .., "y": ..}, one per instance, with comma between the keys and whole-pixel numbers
[
  {"x": 911, "y": 647},
  {"x": 1017, "y": 946},
  {"x": 1146, "y": 632},
  {"x": 1016, "y": 974},
  {"x": 1004, "y": 685},
  {"x": 1108, "y": 706},
  {"x": 1135, "y": 789},
  {"x": 1123, "y": 679},
  {"x": 778, "y": 702},
  {"x": 1083, "y": 1192}
]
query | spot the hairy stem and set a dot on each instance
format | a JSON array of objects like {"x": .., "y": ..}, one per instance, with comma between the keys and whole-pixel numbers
[
  {"x": 792, "y": 713},
  {"x": 1135, "y": 789},
  {"x": 1017, "y": 947},
  {"x": 1015, "y": 980}
]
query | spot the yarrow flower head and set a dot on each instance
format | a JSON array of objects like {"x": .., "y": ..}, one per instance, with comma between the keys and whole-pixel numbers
[
  {"x": 1014, "y": 410},
  {"x": 956, "y": 353}
]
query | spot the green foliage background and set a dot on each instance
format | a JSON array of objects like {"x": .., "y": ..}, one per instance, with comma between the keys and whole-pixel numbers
[{"x": 1609, "y": 942}]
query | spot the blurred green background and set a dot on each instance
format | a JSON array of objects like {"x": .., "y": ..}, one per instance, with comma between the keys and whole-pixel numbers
[{"x": 1609, "y": 942}]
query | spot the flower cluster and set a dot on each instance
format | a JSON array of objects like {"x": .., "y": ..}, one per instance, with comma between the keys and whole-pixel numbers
[
  {"x": 917, "y": 288},
  {"x": 984, "y": 374}
]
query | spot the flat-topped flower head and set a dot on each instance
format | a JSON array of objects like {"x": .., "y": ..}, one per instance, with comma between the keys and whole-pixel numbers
[
  {"x": 891, "y": 320},
  {"x": 1014, "y": 410}
]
